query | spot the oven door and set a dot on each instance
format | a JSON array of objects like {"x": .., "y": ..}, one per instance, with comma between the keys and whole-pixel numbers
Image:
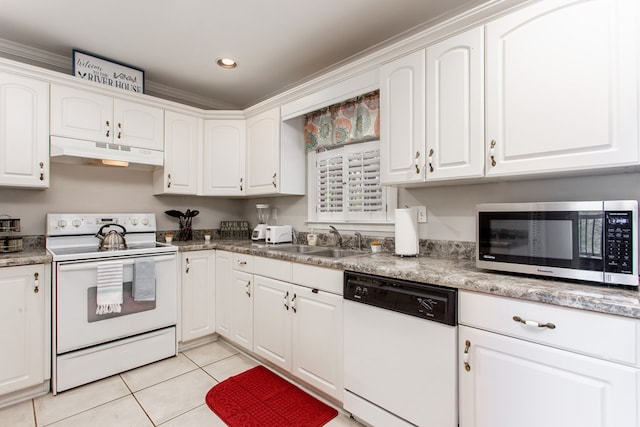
[{"x": 78, "y": 326}]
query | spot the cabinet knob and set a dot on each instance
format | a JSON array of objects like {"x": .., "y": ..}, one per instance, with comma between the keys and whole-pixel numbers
[
  {"x": 41, "y": 171},
  {"x": 492, "y": 152}
]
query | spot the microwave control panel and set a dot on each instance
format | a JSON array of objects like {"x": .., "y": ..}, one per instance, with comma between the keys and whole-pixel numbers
[{"x": 619, "y": 242}]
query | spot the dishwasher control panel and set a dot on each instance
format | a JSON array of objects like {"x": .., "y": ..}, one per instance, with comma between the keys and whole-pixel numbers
[{"x": 430, "y": 302}]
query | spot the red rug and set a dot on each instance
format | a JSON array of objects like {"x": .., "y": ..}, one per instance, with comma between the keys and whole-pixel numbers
[{"x": 260, "y": 398}]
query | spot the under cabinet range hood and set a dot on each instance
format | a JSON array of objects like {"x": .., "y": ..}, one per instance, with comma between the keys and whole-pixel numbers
[{"x": 69, "y": 150}]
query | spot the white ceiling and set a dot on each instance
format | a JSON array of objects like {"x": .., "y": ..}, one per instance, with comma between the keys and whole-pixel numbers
[{"x": 277, "y": 43}]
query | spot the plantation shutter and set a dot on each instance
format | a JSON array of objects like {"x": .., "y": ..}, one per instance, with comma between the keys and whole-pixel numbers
[
  {"x": 348, "y": 184},
  {"x": 364, "y": 189},
  {"x": 330, "y": 184}
]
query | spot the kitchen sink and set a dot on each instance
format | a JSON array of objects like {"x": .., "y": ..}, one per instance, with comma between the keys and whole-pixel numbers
[
  {"x": 296, "y": 249},
  {"x": 338, "y": 253},
  {"x": 322, "y": 251}
]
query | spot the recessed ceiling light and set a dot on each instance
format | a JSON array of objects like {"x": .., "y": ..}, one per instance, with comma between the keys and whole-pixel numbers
[{"x": 227, "y": 63}]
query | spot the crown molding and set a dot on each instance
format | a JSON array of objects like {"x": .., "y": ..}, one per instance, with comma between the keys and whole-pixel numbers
[{"x": 61, "y": 63}]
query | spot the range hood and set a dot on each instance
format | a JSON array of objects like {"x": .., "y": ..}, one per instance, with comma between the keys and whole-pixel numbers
[{"x": 69, "y": 150}]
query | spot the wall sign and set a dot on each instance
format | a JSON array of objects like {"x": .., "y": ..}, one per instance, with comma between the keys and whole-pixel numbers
[{"x": 107, "y": 72}]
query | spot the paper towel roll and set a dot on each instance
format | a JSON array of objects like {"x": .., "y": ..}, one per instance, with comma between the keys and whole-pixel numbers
[{"x": 407, "y": 232}]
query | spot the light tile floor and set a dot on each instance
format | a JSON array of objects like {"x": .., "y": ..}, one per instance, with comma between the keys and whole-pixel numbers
[{"x": 169, "y": 393}]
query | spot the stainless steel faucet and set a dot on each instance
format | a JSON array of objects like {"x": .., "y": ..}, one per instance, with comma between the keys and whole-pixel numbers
[
  {"x": 359, "y": 237},
  {"x": 332, "y": 230}
]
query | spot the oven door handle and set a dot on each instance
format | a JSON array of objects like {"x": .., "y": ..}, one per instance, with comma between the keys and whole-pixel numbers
[{"x": 94, "y": 264}]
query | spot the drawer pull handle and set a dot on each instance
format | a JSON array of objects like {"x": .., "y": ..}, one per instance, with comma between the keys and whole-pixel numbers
[
  {"x": 247, "y": 288},
  {"x": 36, "y": 283},
  {"x": 293, "y": 305},
  {"x": 188, "y": 267},
  {"x": 242, "y": 262},
  {"x": 286, "y": 301},
  {"x": 532, "y": 323},
  {"x": 465, "y": 357}
]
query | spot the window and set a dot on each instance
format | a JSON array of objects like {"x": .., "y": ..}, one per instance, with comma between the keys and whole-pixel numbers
[{"x": 344, "y": 185}]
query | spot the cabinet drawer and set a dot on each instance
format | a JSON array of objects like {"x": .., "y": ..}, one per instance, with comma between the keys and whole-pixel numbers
[
  {"x": 242, "y": 262},
  {"x": 325, "y": 279},
  {"x": 604, "y": 336},
  {"x": 273, "y": 268}
]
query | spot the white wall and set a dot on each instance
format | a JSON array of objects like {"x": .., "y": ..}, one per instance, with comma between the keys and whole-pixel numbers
[
  {"x": 451, "y": 208},
  {"x": 78, "y": 188}
]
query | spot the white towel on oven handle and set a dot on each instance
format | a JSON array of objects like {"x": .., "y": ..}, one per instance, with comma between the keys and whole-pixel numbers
[
  {"x": 109, "y": 287},
  {"x": 143, "y": 287}
]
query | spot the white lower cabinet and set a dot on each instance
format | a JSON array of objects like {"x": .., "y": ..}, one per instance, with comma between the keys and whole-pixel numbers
[
  {"x": 198, "y": 294},
  {"x": 299, "y": 329},
  {"x": 234, "y": 298},
  {"x": 24, "y": 329},
  {"x": 242, "y": 309},
  {"x": 521, "y": 379}
]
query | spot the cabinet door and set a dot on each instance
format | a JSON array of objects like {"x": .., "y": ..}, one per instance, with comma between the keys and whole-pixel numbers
[
  {"x": 562, "y": 87},
  {"x": 224, "y": 158},
  {"x": 82, "y": 115},
  {"x": 263, "y": 153},
  {"x": 181, "y": 155},
  {"x": 138, "y": 125},
  {"x": 512, "y": 382},
  {"x": 455, "y": 107},
  {"x": 224, "y": 282},
  {"x": 22, "y": 327},
  {"x": 317, "y": 339},
  {"x": 242, "y": 309},
  {"x": 198, "y": 294},
  {"x": 402, "y": 120},
  {"x": 272, "y": 321},
  {"x": 24, "y": 132}
]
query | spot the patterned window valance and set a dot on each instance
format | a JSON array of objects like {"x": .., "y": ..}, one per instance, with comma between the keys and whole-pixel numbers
[{"x": 354, "y": 120}]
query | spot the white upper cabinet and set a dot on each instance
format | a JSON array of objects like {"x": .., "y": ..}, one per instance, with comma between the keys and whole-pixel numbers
[
  {"x": 562, "y": 87},
  {"x": 24, "y": 132},
  {"x": 263, "y": 153},
  {"x": 138, "y": 125},
  {"x": 402, "y": 120},
  {"x": 275, "y": 155},
  {"x": 224, "y": 158},
  {"x": 182, "y": 148},
  {"x": 90, "y": 116},
  {"x": 455, "y": 107}
]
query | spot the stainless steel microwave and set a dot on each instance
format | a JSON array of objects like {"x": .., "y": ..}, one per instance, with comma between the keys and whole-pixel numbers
[{"x": 588, "y": 241}]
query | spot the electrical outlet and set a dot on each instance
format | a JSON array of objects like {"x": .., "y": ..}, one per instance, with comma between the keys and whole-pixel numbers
[{"x": 422, "y": 213}]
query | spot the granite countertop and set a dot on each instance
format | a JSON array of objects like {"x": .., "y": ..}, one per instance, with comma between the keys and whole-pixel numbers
[
  {"x": 459, "y": 274},
  {"x": 25, "y": 257}
]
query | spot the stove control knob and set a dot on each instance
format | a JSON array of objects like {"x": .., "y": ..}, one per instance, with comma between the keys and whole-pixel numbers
[
  {"x": 134, "y": 221},
  {"x": 62, "y": 223},
  {"x": 145, "y": 221},
  {"x": 76, "y": 223}
]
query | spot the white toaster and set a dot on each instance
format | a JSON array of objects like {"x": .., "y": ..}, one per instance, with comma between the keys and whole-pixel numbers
[{"x": 278, "y": 234}]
